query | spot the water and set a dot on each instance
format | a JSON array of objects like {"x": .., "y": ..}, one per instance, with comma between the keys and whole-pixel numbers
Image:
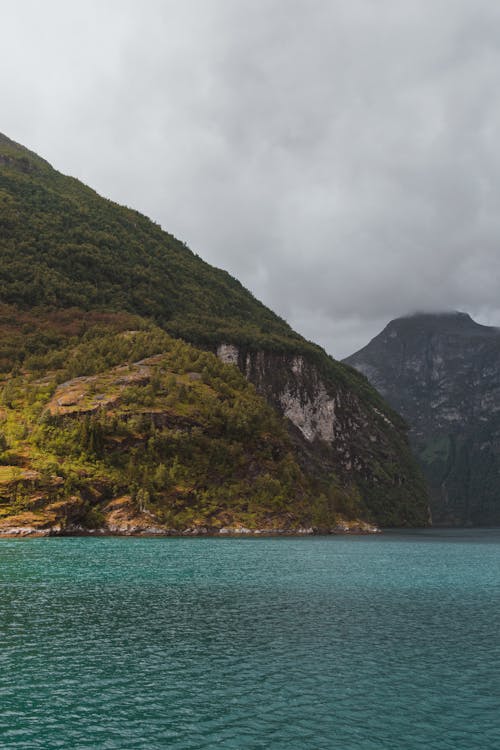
[{"x": 297, "y": 644}]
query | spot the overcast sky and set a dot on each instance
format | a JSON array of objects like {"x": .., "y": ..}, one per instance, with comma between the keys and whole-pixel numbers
[{"x": 340, "y": 157}]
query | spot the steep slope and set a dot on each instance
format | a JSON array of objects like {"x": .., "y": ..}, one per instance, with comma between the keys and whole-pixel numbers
[
  {"x": 74, "y": 264},
  {"x": 64, "y": 246},
  {"x": 440, "y": 371}
]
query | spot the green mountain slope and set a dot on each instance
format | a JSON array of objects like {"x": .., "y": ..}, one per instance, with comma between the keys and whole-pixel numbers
[
  {"x": 77, "y": 271},
  {"x": 65, "y": 246}
]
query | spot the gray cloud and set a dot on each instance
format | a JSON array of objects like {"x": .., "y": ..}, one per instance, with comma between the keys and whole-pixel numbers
[{"x": 339, "y": 156}]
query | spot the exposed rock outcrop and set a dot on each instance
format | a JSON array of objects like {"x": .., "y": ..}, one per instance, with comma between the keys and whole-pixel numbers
[{"x": 338, "y": 432}]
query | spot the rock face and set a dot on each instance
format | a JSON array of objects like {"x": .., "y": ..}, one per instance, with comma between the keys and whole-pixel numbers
[
  {"x": 441, "y": 372},
  {"x": 293, "y": 386},
  {"x": 337, "y": 431}
]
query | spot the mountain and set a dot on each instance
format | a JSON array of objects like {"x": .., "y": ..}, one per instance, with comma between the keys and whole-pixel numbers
[
  {"x": 81, "y": 278},
  {"x": 440, "y": 371}
]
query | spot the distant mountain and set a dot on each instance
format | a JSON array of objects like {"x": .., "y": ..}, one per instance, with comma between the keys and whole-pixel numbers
[
  {"x": 442, "y": 373},
  {"x": 80, "y": 278}
]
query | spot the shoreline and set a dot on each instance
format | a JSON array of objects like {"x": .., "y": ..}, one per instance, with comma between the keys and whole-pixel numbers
[{"x": 27, "y": 532}]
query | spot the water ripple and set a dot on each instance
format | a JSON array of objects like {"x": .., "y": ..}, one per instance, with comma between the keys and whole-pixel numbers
[{"x": 304, "y": 644}]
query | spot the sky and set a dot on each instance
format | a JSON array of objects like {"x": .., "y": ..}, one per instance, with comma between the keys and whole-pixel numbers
[{"x": 340, "y": 157}]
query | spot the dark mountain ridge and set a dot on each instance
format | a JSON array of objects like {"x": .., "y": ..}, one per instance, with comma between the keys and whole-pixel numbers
[{"x": 440, "y": 371}]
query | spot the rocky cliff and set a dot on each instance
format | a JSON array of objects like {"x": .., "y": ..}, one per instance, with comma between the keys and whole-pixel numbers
[
  {"x": 440, "y": 371},
  {"x": 340, "y": 432}
]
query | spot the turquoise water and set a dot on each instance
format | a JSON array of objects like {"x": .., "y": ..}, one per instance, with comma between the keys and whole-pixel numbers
[{"x": 349, "y": 643}]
